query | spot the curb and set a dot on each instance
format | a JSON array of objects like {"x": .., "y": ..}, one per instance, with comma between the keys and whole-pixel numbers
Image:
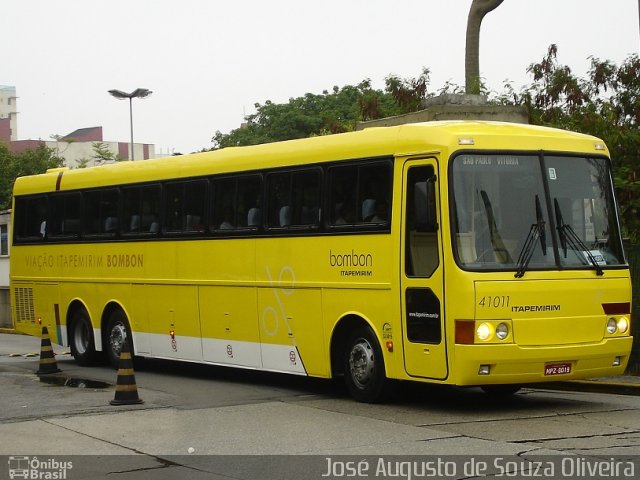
[
  {"x": 594, "y": 386},
  {"x": 9, "y": 331}
]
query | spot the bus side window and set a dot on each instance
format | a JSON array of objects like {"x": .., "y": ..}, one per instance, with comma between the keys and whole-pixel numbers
[
  {"x": 185, "y": 205},
  {"x": 360, "y": 195},
  {"x": 224, "y": 192},
  {"x": 306, "y": 198},
  {"x": 294, "y": 199},
  {"x": 101, "y": 212},
  {"x": 279, "y": 199},
  {"x": 65, "y": 215},
  {"x": 374, "y": 183},
  {"x": 31, "y": 218},
  {"x": 248, "y": 201},
  {"x": 173, "y": 206},
  {"x": 194, "y": 204},
  {"x": 237, "y": 203},
  {"x": 141, "y": 209},
  {"x": 342, "y": 199},
  {"x": 421, "y": 223}
]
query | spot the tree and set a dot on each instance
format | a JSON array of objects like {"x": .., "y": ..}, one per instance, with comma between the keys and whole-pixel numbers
[
  {"x": 605, "y": 104},
  {"x": 408, "y": 94},
  {"x": 305, "y": 116},
  {"x": 479, "y": 8},
  {"x": 29, "y": 162},
  {"x": 102, "y": 154},
  {"x": 331, "y": 112}
]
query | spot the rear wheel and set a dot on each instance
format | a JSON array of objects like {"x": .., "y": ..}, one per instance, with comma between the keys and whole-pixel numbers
[
  {"x": 364, "y": 367},
  {"x": 118, "y": 332},
  {"x": 81, "y": 339}
]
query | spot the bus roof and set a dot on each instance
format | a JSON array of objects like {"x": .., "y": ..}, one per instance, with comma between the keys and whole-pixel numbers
[{"x": 409, "y": 139}]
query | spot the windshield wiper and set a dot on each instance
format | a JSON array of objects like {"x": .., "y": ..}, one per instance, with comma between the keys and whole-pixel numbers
[
  {"x": 569, "y": 237},
  {"x": 499, "y": 249},
  {"x": 536, "y": 232}
]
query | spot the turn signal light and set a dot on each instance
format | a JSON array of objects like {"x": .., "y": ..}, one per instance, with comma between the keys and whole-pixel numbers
[{"x": 465, "y": 332}]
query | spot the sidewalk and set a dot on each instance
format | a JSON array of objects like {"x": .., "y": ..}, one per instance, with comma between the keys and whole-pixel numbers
[{"x": 620, "y": 385}]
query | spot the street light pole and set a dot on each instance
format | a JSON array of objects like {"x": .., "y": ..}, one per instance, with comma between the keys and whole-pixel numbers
[{"x": 137, "y": 93}]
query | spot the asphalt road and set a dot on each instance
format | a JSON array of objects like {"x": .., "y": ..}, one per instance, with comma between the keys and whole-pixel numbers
[{"x": 209, "y": 422}]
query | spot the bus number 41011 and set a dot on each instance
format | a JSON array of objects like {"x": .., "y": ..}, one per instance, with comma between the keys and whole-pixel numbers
[{"x": 495, "y": 301}]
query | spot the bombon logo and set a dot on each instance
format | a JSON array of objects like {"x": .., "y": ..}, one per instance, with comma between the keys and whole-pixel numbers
[
  {"x": 352, "y": 259},
  {"x": 352, "y": 263}
]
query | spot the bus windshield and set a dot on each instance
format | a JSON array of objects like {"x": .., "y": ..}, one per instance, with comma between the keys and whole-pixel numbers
[{"x": 533, "y": 212}]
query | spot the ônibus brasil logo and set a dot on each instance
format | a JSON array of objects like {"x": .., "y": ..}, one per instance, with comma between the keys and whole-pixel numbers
[{"x": 35, "y": 468}]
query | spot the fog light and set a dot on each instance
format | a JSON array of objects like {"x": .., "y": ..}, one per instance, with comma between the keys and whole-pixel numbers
[
  {"x": 617, "y": 361},
  {"x": 484, "y": 370},
  {"x": 502, "y": 331},
  {"x": 484, "y": 331},
  {"x": 612, "y": 326},
  {"x": 623, "y": 324}
]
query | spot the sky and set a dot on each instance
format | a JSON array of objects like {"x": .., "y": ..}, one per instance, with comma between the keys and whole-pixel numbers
[{"x": 209, "y": 61}]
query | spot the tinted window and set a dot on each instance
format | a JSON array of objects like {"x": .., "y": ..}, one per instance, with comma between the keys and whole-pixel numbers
[
  {"x": 30, "y": 221},
  {"x": 65, "y": 215},
  {"x": 141, "y": 209},
  {"x": 237, "y": 203},
  {"x": 185, "y": 206},
  {"x": 360, "y": 194},
  {"x": 294, "y": 199},
  {"x": 101, "y": 212}
]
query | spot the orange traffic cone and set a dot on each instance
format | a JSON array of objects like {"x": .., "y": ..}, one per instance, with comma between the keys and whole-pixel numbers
[
  {"x": 48, "y": 362},
  {"x": 126, "y": 390}
]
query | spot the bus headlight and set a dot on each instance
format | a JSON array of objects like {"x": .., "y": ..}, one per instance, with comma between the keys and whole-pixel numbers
[
  {"x": 612, "y": 326},
  {"x": 623, "y": 325},
  {"x": 502, "y": 331},
  {"x": 484, "y": 332}
]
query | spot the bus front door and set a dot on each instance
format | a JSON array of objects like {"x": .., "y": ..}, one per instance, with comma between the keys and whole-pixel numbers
[{"x": 422, "y": 279}]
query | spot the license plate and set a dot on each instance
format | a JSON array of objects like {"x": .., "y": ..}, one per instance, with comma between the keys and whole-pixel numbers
[{"x": 557, "y": 369}]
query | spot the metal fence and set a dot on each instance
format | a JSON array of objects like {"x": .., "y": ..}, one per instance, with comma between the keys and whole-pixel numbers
[{"x": 633, "y": 256}]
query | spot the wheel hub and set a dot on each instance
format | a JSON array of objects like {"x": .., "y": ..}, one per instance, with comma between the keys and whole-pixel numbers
[
  {"x": 118, "y": 337},
  {"x": 361, "y": 363}
]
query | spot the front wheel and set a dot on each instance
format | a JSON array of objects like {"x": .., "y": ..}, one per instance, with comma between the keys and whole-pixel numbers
[
  {"x": 118, "y": 332},
  {"x": 364, "y": 367},
  {"x": 81, "y": 339}
]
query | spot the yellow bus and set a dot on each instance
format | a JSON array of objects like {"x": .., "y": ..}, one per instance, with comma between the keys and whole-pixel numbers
[{"x": 463, "y": 253}]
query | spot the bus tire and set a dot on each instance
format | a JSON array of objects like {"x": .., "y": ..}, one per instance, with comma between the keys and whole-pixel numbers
[
  {"x": 81, "y": 339},
  {"x": 118, "y": 332},
  {"x": 364, "y": 371}
]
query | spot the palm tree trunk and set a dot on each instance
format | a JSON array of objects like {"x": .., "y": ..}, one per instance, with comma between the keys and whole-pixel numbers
[{"x": 479, "y": 8}]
